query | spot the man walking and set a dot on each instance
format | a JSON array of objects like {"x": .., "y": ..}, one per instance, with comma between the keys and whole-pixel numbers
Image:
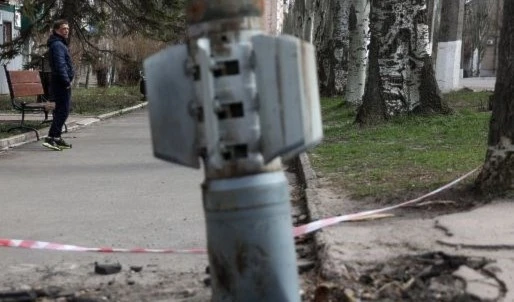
[{"x": 60, "y": 84}]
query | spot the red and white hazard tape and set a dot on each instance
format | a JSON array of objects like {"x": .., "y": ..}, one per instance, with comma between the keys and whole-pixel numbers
[
  {"x": 319, "y": 224},
  {"x": 41, "y": 245},
  {"x": 297, "y": 231}
]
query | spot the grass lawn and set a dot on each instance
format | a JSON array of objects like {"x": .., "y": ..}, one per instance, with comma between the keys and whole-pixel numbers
[
  {"x": 406, "y": 156},
  {"x": 92, "y": 101},
  {"x": 96, "y": 101}
]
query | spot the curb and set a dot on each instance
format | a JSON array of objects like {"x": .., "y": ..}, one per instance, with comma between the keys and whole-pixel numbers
[
  {"x": 122, "y": 111},
  {"x": 29, "y": 137},
  {"x": 328, "y": 269}
]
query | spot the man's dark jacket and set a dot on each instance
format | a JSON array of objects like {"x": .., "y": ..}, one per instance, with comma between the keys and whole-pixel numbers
[{"x": 60, "y": 62}]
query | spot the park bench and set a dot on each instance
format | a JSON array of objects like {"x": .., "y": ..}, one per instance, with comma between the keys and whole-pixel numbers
[{"x": 25, "y": 84}]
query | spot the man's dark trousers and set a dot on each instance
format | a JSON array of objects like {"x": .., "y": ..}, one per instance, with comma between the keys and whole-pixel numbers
[{"x": 62, "y": 99}]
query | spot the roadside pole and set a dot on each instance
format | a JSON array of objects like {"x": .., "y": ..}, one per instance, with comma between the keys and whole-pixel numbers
[{"x": 236, "y": 101}]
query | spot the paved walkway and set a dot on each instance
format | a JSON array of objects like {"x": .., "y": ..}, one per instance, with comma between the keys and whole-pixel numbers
[
  {"x": 483, "y": 232},
  {"x": 478, "y": 84},
  {"x": 108, "y": 191},
  {"x": 74, "y": 122}
]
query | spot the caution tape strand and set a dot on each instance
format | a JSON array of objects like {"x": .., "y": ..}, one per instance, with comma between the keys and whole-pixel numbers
[
  {"x": 297, "y": 231},
  {"x": 319, "y": 224}
]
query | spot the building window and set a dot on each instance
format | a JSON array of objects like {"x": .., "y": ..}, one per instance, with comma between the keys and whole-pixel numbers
[{"x": 7, "y": 26}]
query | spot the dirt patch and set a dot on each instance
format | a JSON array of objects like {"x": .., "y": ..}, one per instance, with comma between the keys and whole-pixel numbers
[
  {"x": 81, "y": 284},
  {"x": 399, "y": 258},
  {"x": 424, "y": 277}
]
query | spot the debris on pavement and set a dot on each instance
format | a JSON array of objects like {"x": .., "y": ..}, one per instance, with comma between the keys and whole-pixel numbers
[{"x": 107, "y": 269}]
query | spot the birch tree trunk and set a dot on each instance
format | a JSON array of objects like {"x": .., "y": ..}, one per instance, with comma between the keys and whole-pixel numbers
[
  {"x": 358, "y": 54},
  {"x": 273, "y": 16},
  {"x": 407, "y": 80},
  {"x": 434, "y": 16},
  {"x": 497, "y": 175},
  {"x": 325, "y": 24},
  {"x": 298, "y": 19},
  {"x": 449, "y": 44},
  {"x": 373, "y": 109}
]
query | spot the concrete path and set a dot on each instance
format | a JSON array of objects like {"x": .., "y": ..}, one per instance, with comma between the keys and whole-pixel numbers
[
  {"x": 73, "y": 122},
  {"x": 107, "y": 191},
  {"x": 478, "y": 84}
]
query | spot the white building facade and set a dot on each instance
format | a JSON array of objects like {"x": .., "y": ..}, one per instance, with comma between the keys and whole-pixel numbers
[{"x": 11, "y": 22}]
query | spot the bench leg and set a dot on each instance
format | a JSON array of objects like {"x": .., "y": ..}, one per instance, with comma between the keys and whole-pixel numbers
[
  {"x": 46, "y": 120},
  {"x": 22, "y": 118},
  {"x": 25, "y": 127}
]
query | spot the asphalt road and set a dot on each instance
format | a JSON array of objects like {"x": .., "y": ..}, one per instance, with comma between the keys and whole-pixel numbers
[{"x": 108, "y": 190}]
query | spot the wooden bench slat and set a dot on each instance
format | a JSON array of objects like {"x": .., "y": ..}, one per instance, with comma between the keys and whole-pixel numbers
[
  {"x": 27, "y": 89},
  {"x": 35, "y": 105},
  {"x": 25, "y": 83},
  {"x": 25, "y": 76}
]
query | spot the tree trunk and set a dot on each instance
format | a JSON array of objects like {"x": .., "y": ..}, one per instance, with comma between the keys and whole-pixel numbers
[
  {"x": 449, "y": 44},
  {"x": 434, "y": 16},
  {"x": 88, "y": 72},
  {"x": 298, "y": 19},
  {"x": 69, "y": 12},
  {"x": 407, "y": 81},
  {"x": 112, "y": 76},
  {"x": 273, "y": 16},
  {"x": 479, "y": 27},
  {"x": 404, "y": 38},
  {"x": 497, "y": 175},
  {"x": 373, "y": 109},
  {"x": 358, "y": 55},
  {"x": 325, "y": 24},
  {"x": 101, "y": 76},
  {"x": 431, "y": 101}
]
